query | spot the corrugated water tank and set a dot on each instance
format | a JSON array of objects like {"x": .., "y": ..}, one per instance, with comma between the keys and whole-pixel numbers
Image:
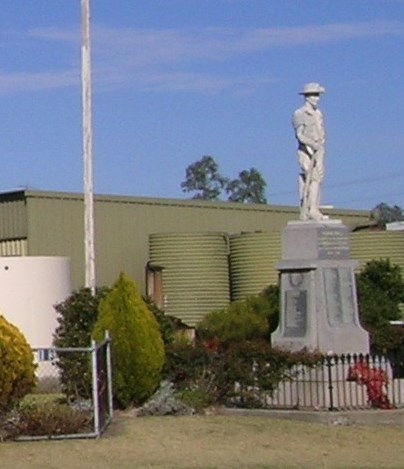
[
  {"x": 253, "y": 262},
  {"x": 195, "y": 272}
]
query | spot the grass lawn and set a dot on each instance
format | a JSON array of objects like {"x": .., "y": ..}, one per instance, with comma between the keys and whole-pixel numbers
[{"x": 212, "y": 442}]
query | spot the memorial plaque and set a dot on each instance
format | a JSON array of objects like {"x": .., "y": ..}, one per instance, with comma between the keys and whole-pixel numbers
[
  {"x": 296, "y": 302},
  {"x": 333, "y": 243},
  {"x": 295, "y": 313},
  {"x": 339, "y": 295}
]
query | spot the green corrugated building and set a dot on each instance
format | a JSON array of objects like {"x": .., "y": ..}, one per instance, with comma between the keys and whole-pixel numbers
[
  {"x": 38, "y": 223},
  {"x": 135, "y": 235}
]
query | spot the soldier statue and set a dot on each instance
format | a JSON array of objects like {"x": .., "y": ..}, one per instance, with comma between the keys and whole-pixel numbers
[{"x": 309, "y": 131}]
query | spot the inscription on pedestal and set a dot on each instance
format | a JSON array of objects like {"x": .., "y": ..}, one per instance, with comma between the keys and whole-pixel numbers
[
  {"x": 296, "y": 313},
  {"x": 339, "y": 295},
  {"x": 296, "y": 303},
  {"x": 333, "y": 243},
  {"x": 319, "y": 308}
]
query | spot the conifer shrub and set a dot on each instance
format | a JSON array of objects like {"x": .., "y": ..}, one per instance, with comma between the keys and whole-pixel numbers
[
  {"x": 17, "y": 369},
  {"x": 166, "y": 322},
  {"x": 137, "y": 346},
  {"x": 76, "y": 318}
]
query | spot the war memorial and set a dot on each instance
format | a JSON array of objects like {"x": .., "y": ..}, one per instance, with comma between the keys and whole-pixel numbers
[{"x": 319, "y": 309}]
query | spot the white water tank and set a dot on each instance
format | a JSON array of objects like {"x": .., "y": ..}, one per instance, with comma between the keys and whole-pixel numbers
[{"x": 29, "y": 289}]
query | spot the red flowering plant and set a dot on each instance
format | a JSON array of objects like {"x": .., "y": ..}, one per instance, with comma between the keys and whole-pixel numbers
[{"x": 374, "y": 379}]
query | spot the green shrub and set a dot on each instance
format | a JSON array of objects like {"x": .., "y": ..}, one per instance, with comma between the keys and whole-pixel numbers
[
  {"x": 191, "y": 366},
  {"x": 137, "y": 346},
  {"x": 258, "y": 368},
  {"x": 210, "y": 373},
  {"x": 271, "y": 294},
  {"x": 17, "y": 369},
  {"x": 235, "y": 323},
  {"x": 76, "y": 317},
  {"x": 249, "y": 319},
  {"x": 380, "y": 292}
]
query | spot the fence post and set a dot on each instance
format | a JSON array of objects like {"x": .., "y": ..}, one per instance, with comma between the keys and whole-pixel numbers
[
  {"x": 95, "y": 387},
  {"x": 330, "y": 386},
  {"x": 109, "y": 373}
]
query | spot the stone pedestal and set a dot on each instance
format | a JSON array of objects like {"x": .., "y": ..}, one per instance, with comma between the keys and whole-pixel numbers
[{"x": 319, "y": 308}]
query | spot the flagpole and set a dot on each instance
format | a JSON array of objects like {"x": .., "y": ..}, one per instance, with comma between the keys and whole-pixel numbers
[{"x": 89, "y": 244}]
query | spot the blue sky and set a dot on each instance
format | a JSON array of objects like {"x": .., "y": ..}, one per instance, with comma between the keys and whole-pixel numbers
[{"x": 174, "y": 80}]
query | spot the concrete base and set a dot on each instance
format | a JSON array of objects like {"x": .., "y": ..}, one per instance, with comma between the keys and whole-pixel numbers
[
  {"x": 344, "y": 418},
  {"x": 319, "y": 308}
]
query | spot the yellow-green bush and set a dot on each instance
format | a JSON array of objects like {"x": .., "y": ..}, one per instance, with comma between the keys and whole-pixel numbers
[
  {"x": 137, "y": 347},
  {"x": 17, "y": 369}
]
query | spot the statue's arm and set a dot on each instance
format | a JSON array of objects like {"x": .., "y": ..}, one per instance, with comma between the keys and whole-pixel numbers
[
  {"x": 299, "y": 125},
  {"x": 303, "y": 139}
]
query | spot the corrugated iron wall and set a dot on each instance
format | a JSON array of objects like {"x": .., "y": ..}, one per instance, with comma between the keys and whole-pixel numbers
[
  {"x": 123, "y": 225},
  {"x": 56, "y": 228},
  {"x": 13, "y": 216},
  {"x": 254, "y": 256},
  {"x": 369, "y": 245},
  {"x": 46, "y": 223},
  {"x": 53, "y": 225},
  {"x": 14, "y": 247}
]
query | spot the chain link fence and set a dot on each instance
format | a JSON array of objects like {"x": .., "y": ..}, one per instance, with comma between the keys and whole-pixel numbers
[{"x": 80, "y": 379}]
